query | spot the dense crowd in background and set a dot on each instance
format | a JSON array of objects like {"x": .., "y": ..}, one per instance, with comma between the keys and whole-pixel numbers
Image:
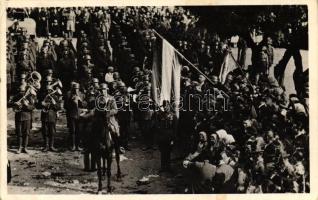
[{"x": 257, "y": 142}]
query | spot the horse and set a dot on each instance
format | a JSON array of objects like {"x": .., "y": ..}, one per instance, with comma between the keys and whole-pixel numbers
[{"x": 105, "y": 141}]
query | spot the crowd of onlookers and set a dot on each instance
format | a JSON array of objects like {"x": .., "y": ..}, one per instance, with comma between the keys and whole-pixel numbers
[{"x": 255, "y": 141}]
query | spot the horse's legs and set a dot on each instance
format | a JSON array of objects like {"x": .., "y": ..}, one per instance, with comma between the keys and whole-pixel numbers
[
  {"x": 109, "y": 168},
  {"x": 99, "y": 172},
  {"x": 117, "y": 154},
  {"x": 104, "y": 165}
]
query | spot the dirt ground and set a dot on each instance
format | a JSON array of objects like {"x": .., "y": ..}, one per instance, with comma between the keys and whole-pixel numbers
[{"x": 62, "y": 172}]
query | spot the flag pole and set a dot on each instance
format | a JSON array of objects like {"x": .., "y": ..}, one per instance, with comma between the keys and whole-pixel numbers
[
  {"x": 192, "y": 65},
  {"x": 240, "y": 67}
]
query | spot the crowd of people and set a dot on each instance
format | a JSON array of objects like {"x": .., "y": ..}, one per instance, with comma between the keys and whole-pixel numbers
[{"x": 255, "y": 140}]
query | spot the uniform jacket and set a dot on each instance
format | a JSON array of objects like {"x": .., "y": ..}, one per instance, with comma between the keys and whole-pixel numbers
[
  {"x": 26, "y": 111},
  {"x": 45, "y": 62},
  {"x": 48, "y": 113},
  {"x": 73, "y": 108}
]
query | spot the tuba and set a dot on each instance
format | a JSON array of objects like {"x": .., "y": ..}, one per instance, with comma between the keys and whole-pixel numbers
[{"x": 34, "y": 80}]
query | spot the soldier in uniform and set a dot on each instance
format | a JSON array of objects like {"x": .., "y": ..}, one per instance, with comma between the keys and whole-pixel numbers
[
  {"x": 75, "y": 100},
  {"x": 23, "y": 117},
  {"x": 45, "y": 60},
  {"x": 10, "y": 76},
  {"x": 165, "y": 124},
  {"x": 86, "y": 120},
  {"x": 124, "y": 113},
  {"x": 50, "y": 105},
  {"x": 24, "y": 65},
  {"x": 66, "y": 69}
]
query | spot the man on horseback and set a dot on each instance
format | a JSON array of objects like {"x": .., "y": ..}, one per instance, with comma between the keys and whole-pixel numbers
[{"x": 106, "y": 138}]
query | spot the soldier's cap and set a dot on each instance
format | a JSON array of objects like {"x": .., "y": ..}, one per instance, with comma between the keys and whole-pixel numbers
[
  {"x": 293, "y": 97},
  {"x": 147, "y": 72},
  {"x": 84, "y": 44},
  {"x": 48, "y": 79},
  {"x": 110, "y": 67},
  {"x": 146, "y": 78},
  {"x": 103, "y": 86},
  {"x": 22, "y": 87},
  {"x": 75, "y": 85},
  {"x": 88, "y": 57},
  {"x": 86, "y": 51},
  {"x": 121, "y": 84},
  {"x": 23, "y": 76},
  {"x": 24, "y": 52},
  {"x": 49, "y": 71},
  {"x": 148, "y": 87},
  {"x": 55, "y": 20},
  {"x": 95, "y": 80},
  {"x": 84, "y": 38}
]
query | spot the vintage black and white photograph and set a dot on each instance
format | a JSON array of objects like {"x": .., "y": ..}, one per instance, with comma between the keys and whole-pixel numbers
[{"x": 157, "y": 99}]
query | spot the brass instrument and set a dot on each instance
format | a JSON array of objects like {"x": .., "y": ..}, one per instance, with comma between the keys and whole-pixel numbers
[
  {"x": 48, "y": 98},
  {"x": 34, "y": 80},
  {"x": 17, "y": 104},
  {"x": 57, "y": 83}
]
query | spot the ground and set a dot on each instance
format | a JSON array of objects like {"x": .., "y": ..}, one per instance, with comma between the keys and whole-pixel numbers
[{"x": 62, "y": 172}]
